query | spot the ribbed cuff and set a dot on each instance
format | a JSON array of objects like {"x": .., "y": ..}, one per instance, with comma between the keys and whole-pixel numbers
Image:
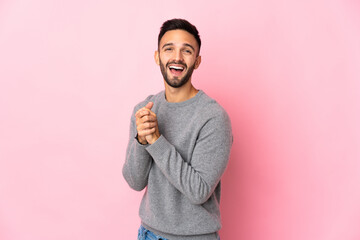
[{"x": 158, "y": 148}]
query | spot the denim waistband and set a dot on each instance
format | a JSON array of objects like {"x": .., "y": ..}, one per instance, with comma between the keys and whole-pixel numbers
[{"x": 145, "y": 234}]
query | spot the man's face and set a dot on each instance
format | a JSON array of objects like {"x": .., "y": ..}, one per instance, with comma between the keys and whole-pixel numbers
[{"x": 178, "y": 57}]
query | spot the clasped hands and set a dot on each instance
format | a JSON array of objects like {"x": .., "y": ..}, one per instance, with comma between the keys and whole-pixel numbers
[{"x": 147, "y": 125}]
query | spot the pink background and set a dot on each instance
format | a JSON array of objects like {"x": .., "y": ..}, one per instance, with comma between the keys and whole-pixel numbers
[{"x": 287, "y": 72}]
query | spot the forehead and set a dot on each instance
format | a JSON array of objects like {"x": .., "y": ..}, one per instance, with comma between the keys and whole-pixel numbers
[{"x": 178, "y": 37}]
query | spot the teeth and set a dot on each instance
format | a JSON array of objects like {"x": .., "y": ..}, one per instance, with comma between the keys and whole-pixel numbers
[{"x": 177, "y": 68}]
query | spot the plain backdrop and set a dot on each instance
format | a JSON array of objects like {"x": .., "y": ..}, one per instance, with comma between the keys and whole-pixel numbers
[{"x": 287, "y": 72}]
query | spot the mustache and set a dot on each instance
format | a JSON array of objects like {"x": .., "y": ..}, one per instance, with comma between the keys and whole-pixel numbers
[{"x": 177, "y": 62}]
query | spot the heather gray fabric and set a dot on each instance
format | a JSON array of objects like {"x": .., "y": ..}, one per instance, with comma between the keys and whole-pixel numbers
[{"x": 182, "y": 169}]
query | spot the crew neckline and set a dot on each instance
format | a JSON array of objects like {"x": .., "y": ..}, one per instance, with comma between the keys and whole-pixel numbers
[{"x": 183, "y": 103}]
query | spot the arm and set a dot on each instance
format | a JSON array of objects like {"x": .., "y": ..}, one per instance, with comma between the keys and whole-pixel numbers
[
  {"x": 198, "y": 179},
  {"x": 138, "y": 161}
]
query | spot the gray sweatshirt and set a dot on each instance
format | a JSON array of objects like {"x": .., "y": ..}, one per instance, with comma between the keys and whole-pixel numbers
[{"x": 182, "y": 169}]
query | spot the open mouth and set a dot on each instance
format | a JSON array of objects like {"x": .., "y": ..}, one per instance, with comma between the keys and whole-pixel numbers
[{"x": 176, "y": 69}]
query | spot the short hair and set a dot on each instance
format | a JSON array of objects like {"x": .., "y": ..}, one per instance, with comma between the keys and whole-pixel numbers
[{"x": 181, "y": 24}]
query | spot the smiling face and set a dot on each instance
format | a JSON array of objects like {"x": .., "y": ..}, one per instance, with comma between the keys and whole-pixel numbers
[{"x": 177, "y": 57}]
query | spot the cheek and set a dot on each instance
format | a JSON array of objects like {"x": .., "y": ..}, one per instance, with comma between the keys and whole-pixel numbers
[
  {"x": 190, "y": 61},
  {"x": 164, "y": 59}
]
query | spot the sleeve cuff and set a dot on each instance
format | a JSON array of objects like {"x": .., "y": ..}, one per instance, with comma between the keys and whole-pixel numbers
[{"x": 158, "y": 148}]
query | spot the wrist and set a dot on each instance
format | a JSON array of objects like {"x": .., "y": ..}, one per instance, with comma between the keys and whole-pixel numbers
[
  {"x": 153, "y": 139},
  {"x": 142, "y": 141}
]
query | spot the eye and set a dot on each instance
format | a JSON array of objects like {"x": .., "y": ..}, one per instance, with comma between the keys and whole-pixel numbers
[
  {"x": 168, "y": 49},
  {"x": 187, "y": 51}
]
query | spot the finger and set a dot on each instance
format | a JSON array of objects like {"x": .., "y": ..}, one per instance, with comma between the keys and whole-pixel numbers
[
  {"x": 149, "y": 105},
  {"x": 146, "y": 132},
  {"x": 147, "y": 125},
  {"x": 153, "y": 114},
  {"x": 142, "y": 112},
  {"x": 147, "y": 118},
  {"x": 145, "y": 122}
]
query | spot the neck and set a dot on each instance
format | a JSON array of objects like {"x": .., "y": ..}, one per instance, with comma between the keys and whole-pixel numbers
[{"x": 180, "y": 94}]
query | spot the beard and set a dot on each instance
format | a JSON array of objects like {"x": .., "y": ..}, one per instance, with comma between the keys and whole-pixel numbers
[{"x": 176, "y": 82}]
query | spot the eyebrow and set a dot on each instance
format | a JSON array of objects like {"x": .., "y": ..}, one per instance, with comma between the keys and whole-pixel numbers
[{"x": 185, "y": 44}]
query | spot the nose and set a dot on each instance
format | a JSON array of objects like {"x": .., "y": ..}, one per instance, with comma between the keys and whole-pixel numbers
[{"x": 178, "y": 55}]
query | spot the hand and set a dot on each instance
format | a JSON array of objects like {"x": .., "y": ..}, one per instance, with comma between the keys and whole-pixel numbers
[{"x": 146, "y": 125}]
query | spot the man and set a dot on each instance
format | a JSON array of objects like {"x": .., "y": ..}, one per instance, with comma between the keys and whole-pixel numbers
[{"x": 179, "y": 146}]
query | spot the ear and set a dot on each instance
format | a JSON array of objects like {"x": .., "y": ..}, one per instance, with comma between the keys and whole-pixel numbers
[
  {"x": 197, "y": 62},
  {"x": 157, "y": 57}
]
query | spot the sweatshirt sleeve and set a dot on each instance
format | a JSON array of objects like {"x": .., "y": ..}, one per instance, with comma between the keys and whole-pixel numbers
[
  {"x": 198, "y": 179},
  {"x": 138, "y": 161}
]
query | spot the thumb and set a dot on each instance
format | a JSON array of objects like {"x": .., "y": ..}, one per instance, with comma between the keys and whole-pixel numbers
[{"x": 149, "y": 105}]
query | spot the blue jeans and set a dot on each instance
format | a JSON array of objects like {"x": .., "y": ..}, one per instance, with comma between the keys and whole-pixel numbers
[{"x": 144, "y": 234}]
